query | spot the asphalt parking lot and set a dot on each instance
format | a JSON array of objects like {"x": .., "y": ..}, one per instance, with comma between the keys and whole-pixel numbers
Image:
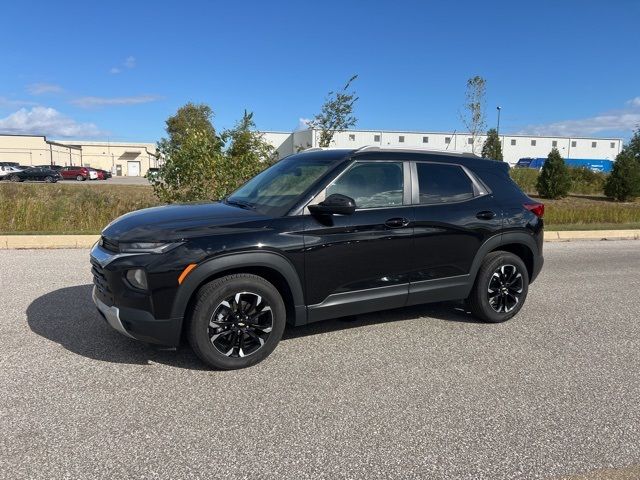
[{"x": 422, "y": 392}]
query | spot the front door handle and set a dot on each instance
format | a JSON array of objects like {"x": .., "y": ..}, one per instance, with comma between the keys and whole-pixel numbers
[
  {"x": 398, "y": 222},
  {"x": 485, "y": 215}
]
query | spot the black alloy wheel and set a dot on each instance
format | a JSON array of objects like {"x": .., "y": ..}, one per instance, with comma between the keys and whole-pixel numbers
[
  {"x": 505, "y": 288},
  {"x": 500, "y": 288},
  {"x": 236, "y": 321},
  {"x": 241, "y": 324}
]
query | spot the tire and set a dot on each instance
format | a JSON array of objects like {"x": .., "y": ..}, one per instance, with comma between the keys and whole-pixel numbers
[
  {"x": 14, "y": 178},
  {"x": 80, "y": 178},
  {"x": 48, "y": 179},
  {"x": 221, "y": 344},
  {"x": 500, "y": 289}
]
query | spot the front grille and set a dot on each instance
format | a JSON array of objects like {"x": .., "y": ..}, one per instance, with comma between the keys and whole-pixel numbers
[
  {"x": 101, "y": 283},
  {"x": 110, "y": 245}
]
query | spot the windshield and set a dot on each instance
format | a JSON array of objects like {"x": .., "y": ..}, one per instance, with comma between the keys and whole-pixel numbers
[{"x": 275, "y": 190}]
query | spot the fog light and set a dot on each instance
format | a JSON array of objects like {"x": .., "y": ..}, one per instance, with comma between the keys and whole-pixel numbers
[{"x": 137, "y": 278}]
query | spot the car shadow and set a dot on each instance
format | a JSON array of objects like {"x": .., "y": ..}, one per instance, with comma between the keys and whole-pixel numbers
[{"x": 68, "y": 317}]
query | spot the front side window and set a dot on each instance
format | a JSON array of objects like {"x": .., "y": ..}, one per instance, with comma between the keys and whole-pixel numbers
[
  {"x": 372, "y": 184},
  {"x": 441, "y": 183}
]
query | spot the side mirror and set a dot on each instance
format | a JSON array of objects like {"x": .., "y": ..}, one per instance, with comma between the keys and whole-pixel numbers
[{"x": 335, "y": 204}]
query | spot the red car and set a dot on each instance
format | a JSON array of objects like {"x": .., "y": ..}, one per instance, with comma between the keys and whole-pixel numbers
[{"x": 78, "y": 173}]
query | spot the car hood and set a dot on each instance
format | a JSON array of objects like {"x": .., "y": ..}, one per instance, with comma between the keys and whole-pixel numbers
[{"x": 176, "y": 222}]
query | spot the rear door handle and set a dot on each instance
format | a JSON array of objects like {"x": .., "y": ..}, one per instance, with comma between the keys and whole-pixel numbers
[
  {"x": 485, "y": 215},
  {"x": 397, "y": 222}
]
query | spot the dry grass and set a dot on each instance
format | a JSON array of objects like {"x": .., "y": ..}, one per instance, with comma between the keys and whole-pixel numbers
[
  {"x": 59, "y": 208},
  {"x": 590, "y": 212}
]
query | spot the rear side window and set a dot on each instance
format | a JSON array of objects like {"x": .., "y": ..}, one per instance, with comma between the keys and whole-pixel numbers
[{"x": 440, "y": 183}]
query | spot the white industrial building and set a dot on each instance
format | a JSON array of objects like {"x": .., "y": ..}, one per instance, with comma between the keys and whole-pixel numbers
[{"x": 514, "y": 147}]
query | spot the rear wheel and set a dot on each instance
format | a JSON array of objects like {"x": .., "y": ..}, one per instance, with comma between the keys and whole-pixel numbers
[
  {"x": 500, "y": 289},
  {"x": 237, "y": 321},
  {"x": 80, "y": 178},
  {"x": 14, "y": 178}
]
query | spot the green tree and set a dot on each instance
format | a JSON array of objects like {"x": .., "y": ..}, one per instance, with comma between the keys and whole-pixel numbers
[
  {"x": 554, "y": 180},
  {"x": 336, "y": 114},
  {"x": 474, "y": 120},
  {"x": 247, "y": 154},
  {"x": 623, "y": 183},
  {"x": 199, "y": 164},
  {"x": 188, "y": 119},
  {"x": 492, "y": 148},
  {"x": 633, "y": 146}
]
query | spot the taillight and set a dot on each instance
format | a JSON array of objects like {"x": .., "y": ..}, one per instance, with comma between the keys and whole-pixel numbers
[{"x": 536, "y": 208}]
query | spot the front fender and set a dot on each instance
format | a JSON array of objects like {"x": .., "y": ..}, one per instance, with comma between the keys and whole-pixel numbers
[{"x": 211, "y": 268}]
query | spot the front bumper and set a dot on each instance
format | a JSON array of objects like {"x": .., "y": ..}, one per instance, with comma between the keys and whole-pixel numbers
[{"x": 110, "y": 314}]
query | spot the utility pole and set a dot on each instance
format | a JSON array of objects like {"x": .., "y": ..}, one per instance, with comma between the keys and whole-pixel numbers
[{"x": 498, "y": 127}]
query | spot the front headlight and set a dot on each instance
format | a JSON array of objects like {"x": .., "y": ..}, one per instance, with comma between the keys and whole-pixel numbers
[{"x": 148, "y": 247}]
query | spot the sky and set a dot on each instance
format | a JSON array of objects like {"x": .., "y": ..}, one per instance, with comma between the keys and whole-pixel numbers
[{"x": 116, "y": 70}]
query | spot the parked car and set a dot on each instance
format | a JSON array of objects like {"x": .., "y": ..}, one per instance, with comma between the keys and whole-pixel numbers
[
  {"x": 318, "y": 235},
  {"x": 35, "y": 174},
  {"x": 103, "y": 174},
  {"x": 5, "y": 170},
  {"x": 78, "y": 173},
  {"x": 9, "y": 164},
  {"x": 57, "y": 168}
]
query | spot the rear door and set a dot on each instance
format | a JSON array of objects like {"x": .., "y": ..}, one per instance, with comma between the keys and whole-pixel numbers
[
  {"x": 360, "y": 262},
  {"x": 454, "y": 215}
]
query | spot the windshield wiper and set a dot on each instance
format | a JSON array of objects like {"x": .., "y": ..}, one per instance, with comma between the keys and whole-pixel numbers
[{"x": 240, "y": 203}]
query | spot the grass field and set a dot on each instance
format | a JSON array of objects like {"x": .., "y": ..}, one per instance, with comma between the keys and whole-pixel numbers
[{"x": 77, "y": 209}]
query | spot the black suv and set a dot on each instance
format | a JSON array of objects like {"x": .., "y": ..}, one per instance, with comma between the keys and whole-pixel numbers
[{"x": 320, "y": 234}]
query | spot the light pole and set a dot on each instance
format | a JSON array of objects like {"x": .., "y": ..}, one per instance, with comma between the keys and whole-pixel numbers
[{"x": 498, "y": 128}]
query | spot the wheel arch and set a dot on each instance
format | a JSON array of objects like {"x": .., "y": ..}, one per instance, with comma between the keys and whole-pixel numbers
[
  {"x": 519, "y": 243},
  {"x": 273, "y": 267}
]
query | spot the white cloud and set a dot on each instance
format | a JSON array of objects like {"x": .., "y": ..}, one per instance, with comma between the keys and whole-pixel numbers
[
  {"x": 89, "y": 102},
  {"x": 303, "y": 123},
  {"x": 41, "y": 88},
  {"x": 13, "y": 103},
  {"x": 634, "y": 102},
  {"x": 626, "y": 119},
  {"x": 129, "y": 62},
  {"x": 46, "y": 121}
]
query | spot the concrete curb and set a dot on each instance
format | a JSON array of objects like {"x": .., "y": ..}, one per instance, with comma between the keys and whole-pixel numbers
[
  {"x": 568, "y": 235},
  {"x": 47, "y": 241},
  {"x": 86, "y": 241}
]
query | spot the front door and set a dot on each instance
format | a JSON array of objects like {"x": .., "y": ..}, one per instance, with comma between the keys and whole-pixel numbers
[{"x": 360, "y": 262}]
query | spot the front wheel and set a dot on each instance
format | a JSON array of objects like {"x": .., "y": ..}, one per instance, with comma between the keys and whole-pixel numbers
[
  {"x": 48, "y": 179},
  {"x": 237, "y": 321},
  {"x": 500, "y": 288},
  {"x": 80, "y": 178}
]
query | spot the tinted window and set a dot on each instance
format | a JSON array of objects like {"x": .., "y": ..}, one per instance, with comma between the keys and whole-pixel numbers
[
  {"x": 443, "y": 183},
  {"x": 371, "y": 185}
]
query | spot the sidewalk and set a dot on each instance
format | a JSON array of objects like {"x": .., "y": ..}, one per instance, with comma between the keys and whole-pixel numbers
[{"x": 86, "y": 241}]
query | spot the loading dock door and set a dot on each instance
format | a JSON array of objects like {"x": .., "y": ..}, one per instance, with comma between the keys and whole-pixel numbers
[{"x": 133, "y": 169}]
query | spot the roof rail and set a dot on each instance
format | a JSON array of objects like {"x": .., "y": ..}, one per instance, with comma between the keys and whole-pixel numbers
[{"x": 367, "y": 148}]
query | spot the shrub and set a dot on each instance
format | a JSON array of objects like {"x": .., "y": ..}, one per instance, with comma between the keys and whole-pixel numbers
[
  {"x": 525, "y": 178},
  {"x": 624, "y": 182},
  {"x": 586, "y": 182},
  {"x": 554, "y": 180}
]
